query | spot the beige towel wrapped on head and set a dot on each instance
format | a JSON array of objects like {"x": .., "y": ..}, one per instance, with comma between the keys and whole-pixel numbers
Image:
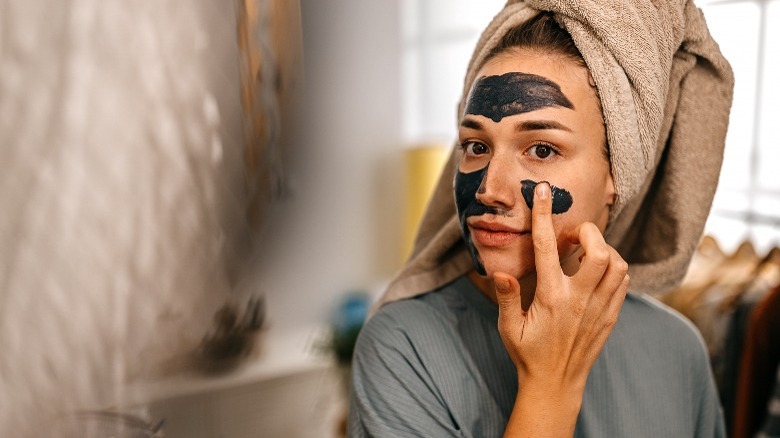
[{"x": 666, "y": 92}]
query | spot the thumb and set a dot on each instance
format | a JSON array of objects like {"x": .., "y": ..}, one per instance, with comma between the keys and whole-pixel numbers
[{"x": 508, "y": 296}]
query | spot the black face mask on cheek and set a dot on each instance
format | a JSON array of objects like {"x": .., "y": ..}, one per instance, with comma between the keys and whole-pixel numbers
[
  {"x": 561, "y": 198},
  {"x": 466, "y": 187}
]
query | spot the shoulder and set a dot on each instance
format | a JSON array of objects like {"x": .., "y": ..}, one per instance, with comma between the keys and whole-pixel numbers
[
  {"x": 426, "y": 318},
  {"x": 654, "y": 373},
  {"x": 651, "y": 313},
  {"x": 403, "y": 363},
  {"x": 665, "y": 348},
  {"x": 419, "y": 335},
  {"x": 657, "y": 324}
]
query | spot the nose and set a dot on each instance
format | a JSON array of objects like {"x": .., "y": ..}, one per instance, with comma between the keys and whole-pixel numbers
[{"x": 500, "y": 186}]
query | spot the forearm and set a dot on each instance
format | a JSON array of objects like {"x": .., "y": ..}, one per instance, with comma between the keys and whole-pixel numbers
[{"x": 545, "y": 409}]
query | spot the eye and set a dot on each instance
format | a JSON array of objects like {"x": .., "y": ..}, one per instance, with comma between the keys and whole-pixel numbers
[
  {"x": 542, "y": 151},
  {"x": 474, "y": 148}
]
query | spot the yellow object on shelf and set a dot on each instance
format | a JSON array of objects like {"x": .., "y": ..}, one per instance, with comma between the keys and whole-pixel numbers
[{"x": 422, "y": 165}]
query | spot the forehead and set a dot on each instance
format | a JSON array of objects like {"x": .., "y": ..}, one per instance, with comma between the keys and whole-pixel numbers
[
  {"x": 571, "y": 77},
  {"x": 512, "y": 93}
]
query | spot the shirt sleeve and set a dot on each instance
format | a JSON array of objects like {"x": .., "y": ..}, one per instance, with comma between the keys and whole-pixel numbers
[
  {"x": 393, "y": 394},
  {"x": 710, "y": 421}
]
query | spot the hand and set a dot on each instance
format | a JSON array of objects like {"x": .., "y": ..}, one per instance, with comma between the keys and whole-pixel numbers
[{"x": 556, "y": 341}]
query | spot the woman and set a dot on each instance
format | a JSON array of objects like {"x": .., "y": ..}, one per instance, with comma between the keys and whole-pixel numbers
[{"x": 522, "y": 325}]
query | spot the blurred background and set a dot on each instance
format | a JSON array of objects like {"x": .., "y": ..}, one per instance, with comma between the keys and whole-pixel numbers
[{"x": 200, "y": 200}]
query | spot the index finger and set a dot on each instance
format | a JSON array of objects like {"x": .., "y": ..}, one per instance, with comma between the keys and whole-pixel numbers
[{"x": 543, "y": 234}]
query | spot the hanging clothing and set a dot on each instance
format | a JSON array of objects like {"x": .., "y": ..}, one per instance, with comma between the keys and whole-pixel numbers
[
  {"x": 719, "y": 296},
  {"x": 771, "y": 428},
  {"x": 760, "y": 359}
]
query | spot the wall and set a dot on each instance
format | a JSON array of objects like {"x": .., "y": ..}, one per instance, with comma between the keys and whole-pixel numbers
[
  {"x": 122, "y": 196},
  {"x": 123, "y": 190},
  {"x": 335, "y": 229}
]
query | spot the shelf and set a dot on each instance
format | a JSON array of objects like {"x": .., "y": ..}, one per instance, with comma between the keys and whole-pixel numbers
[{"x": 280, "y": 354}]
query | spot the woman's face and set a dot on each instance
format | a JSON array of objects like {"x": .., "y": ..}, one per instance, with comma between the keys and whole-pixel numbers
[{"x": 530, "y": 117}]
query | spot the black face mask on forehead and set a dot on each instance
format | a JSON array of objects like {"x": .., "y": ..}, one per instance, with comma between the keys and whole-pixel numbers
[{"x": 496, "y": 97}]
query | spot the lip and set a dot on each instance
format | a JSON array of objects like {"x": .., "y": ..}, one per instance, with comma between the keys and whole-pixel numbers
[
  {"x": 494, "y": 234},
  {"x": 493, "y": 226}
]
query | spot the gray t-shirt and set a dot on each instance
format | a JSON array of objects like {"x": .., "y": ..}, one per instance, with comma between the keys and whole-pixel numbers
[{"x": 435, "y": 366}]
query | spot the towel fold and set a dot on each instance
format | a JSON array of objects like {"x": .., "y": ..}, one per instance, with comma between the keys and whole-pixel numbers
[{"x": 666, "y": 92}]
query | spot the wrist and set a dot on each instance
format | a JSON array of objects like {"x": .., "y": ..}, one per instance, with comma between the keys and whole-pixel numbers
[
  {"x": 555, "y": 398},
  {"x": 544, "y": 410},
  {"x": 565, "y": 396},
  {"x": 558, "y": 383}
]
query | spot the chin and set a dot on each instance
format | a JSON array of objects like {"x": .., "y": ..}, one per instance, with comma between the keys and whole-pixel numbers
[
  {"x": 515, "y": 258},
  {"x": 513, "y": 266}
]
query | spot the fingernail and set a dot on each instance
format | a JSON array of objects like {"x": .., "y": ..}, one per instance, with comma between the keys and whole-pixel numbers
[
  {"x": 543, "y": 190},
  {"x": 502, "y": 285}
]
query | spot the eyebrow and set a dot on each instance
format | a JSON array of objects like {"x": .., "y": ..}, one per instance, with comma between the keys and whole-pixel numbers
[
  {"x": 539, "y": 125},
  {"x": 528, "y": 125},
  {"x": 471, "y": 124}
]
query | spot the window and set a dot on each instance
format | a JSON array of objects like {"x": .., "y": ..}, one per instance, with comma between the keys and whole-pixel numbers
[
  {"x": 439, "y": 36},
  {"x": 747, "y": 203}
]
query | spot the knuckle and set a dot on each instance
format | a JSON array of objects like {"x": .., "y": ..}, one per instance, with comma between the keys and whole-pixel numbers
[
  {"x": 600, "y": 257},
  {"x": 545, "y": 245},
  {"x": 542, "y": 208},
  {"x": 555, "y": 302},
  {"x": 621, "y": 267}
]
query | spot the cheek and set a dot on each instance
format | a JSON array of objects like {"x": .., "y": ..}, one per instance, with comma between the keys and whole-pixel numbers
[{"x": 588, "y": 206}]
